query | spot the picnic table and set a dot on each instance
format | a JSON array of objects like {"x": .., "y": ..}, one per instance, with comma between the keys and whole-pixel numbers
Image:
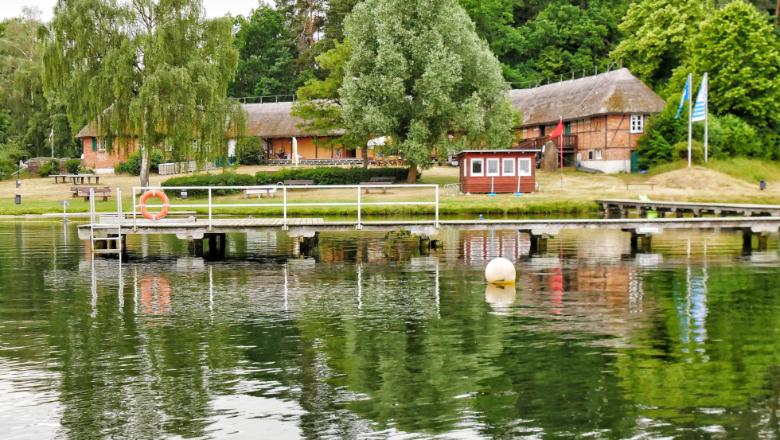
[
  {"x": 83, "y": 191},
  {"x": 77, "y": 179}
]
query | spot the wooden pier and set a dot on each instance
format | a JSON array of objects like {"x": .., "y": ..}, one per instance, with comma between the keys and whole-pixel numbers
[
  {"x": 108, "y": 231},
  {"x": 624, "y": 208}
]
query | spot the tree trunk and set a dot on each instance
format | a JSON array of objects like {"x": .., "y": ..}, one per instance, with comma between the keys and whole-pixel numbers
[
  {"x": 364, "y": 152},
  {"x": 144, "y": 167},
  {"x": 412, "y": 176}
]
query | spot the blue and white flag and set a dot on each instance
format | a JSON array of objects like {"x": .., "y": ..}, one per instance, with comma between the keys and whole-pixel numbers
[
  {"x": 685, "y": 96},
  {"x": 700, "y": 108}
]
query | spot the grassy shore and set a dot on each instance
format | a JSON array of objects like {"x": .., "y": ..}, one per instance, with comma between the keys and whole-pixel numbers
[{"x": 567, "y": 193}]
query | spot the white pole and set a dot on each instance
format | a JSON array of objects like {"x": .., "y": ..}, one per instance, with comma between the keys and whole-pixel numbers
[
  {"x": 706, "y": 86},
  {"x": 690, "y": 116}
]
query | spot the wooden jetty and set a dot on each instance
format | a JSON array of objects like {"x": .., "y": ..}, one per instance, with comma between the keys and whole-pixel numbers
[
  {"x": 107, "y": 231},
  {"x": 624, "y": 208}
]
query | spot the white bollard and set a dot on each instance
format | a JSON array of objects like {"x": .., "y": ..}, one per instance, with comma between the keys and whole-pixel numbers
[{"x": 500, "y": 271}]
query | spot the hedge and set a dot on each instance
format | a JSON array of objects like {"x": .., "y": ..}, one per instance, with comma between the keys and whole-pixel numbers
[
  {"x": 330, "y": 175},
  {"x": 222, "y": 179}
]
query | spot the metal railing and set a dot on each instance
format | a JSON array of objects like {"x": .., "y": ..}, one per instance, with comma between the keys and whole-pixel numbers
[{"x": 211, "y": 205}]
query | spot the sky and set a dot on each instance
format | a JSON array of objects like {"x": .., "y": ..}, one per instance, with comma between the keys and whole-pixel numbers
[{"x": 214, "y": 8}]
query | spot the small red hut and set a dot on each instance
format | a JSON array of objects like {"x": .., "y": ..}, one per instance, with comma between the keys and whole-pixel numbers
[{"x": 497, "y": 171}]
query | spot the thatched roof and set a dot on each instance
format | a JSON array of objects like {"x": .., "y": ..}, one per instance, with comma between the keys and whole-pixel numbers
[
  {"x": 615, "y": 92},
  {"x": 268, "y": 120}
]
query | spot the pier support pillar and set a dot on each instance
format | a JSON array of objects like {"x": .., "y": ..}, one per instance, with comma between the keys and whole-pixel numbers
[
  {"x": 538, "y": 243},
  {"x": 762, "y": 241},
  {"x": 217, "y": 246},
  {"x": 640, "y": 242},
  {"x": 747, "y": 240},
  {"x": 307, "y": 245},
  {"x": 195, "y": 247}
]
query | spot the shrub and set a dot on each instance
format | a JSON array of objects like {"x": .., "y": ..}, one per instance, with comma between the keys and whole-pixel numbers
[
  {"x": 697, "y": 151},
  {"x": 133, "y": 164},
  {"x": 73, "y": 166},
  {"x": 330, "y": 175},
  {"x": 222, "y": 179},
  {"x": 738, "y": 138},
  {"x": 250, "y": 151},
  {"x": 48, "y": 168}
]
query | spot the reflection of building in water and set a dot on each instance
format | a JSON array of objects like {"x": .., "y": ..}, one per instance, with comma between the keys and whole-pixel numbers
[{"x": 479, "y": 247}]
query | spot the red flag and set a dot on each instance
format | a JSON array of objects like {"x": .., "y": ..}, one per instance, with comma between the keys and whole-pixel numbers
[{"x": 557, "y": 131}]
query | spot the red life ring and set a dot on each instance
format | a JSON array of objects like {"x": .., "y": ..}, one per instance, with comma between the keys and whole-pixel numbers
[{"x": 160, "y": 195}]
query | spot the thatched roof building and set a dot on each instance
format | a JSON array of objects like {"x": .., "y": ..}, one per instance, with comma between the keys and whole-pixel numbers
[{"x": 611, "y": 93}]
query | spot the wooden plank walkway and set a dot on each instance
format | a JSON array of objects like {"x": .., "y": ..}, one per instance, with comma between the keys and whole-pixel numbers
[{"x": 641, "y": 207}]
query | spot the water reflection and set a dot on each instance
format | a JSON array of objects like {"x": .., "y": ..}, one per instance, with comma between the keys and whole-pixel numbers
[{"x": 370, "y": 338}]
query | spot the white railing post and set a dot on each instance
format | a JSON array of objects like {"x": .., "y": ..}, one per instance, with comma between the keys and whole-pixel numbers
[
  {"x": 359, "y": 208},
  {"x": 284, "y": 208},
  {"x": 119, "y": 214},
  {"x": 135, "y": 227},
  {"x": 92, "y": 206},
  {"x": 436, "y": 218},
  {"x": 209, "y": 208}
]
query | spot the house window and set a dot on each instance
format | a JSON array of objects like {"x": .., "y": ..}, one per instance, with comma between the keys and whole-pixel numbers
[
  {"x": 597, "y": 154},
  {"x": 492, "y": 167},
  {"x": 508, "y": 167},
  {"x": 637, "y": 123},
  {"x": 524, "y": 166},
  {"x": 476, "y": 167},
  {"x": 94, "y": 144}
]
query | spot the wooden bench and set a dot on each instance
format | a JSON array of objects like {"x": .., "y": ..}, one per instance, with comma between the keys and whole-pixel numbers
[
  {"x": 83, "y": 191},
  {"x": 298, "y": 182},
  {"x": 268, "y": 191},
  {"x": 379, "y": 182},
  {"x": 77, "y": 179}
]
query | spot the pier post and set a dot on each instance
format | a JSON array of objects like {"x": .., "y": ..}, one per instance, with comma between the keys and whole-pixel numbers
[
  {"x": 747, "y": 240},
  {"x": 640, "y": 242},
  {"x": 217, "y": 246},
  {"x": 307, "y": 245},
  {"x": 762, "y": 241},
  {"x": 538, "y": 243},
  {"x": 195, "y": 247}
]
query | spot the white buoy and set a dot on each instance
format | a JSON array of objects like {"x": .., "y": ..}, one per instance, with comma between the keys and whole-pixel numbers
[{"x": 500, "y": 271}]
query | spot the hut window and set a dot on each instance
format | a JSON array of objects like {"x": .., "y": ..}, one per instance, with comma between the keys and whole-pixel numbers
[
  {"x": 476, "y": 167},
  {"x": 524, "y": 166},
  {"x": 508, "y": 167},
  {"x": 597, "y": 154},
  {"x": 94, "y": 144},
  {"x": 492, "y": 167},
  {"x": 637, "y": 124}
]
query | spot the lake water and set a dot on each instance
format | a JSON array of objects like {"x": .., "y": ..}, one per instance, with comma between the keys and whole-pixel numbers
[{"x": 371, "y": 339}]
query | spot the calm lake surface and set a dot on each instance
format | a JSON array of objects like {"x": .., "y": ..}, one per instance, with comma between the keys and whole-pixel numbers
[{"x": 371, "y": 339}]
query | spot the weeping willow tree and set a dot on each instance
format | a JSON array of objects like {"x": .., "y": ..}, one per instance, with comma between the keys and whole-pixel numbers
[{"x": 151, "y": 72}]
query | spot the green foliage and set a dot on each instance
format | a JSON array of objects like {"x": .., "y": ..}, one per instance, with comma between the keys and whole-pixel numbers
[
  {"x": 662, "y": 132},
  {"x": 655, "y": 35},
  {"x": 250, "y": 151},
  {"x": 735, "y": 137},
  {"x": 133, "y": 164},
  {"x": 737, "y": 47},
  {"x": 73, "y": 166},
  {"x": 154, "y": 70},
  {"x": 305, "y": 20},
  {"x": 680, "y": 151},
  {"x": 49, "y": 168},
  {"x": 10, "y": 154},
  {"x": 222, "y": 179},
  {"x": 329, "y": 175},
  {"x": 267, "y": 55},
  {"x": 418, "y": 72}
]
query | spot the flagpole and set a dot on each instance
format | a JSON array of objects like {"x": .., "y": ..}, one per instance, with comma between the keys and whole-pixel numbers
[
  {"x": 690, "y": 116},
  {"x": 560, "y": 147},
  {"x": 706, "y": 116}
]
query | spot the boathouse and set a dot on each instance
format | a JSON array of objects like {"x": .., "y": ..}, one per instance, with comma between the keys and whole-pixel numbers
[
  {"x": 498, "y": 171},
  {"x": 603, "y": 115}
]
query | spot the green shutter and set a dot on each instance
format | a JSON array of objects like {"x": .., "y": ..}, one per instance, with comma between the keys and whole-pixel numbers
[{"x": 94, "y": 144}]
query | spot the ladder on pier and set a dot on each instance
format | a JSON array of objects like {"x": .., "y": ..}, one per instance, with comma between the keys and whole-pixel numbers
[{"x": 111, "y": 234}]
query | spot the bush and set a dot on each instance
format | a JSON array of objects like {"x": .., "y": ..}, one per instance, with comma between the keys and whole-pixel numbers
[
  {"x": 738, "y": 138},
  {"x": 697, "y": 151},
  {"x": 250, "y": 151},
  {"x": 223, "y": 179},
  {"x": 50, "y": 167},
  {"x": 330, "y": 175},
  {"x": 73, "y": 166},
  {"x": 133, "y": 164}
]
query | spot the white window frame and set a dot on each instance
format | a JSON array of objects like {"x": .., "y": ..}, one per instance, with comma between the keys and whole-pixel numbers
[
  {"x": 481, "y": 165},
  {"x": 465, "y": 165},
  {"x": 496, "y": 161},
  {"x": 520, "y": 171},
  {"x": 510, "y": 161},
  {"x": 598, "y": 154},
  {"x": 637, "y": 124}
]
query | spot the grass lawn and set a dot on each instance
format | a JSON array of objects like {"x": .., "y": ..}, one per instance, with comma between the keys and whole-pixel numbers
[{"x": 570, "y": 192}]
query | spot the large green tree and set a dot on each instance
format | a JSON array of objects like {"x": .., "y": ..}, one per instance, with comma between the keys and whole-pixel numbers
[
  {"x": 655, "y": 35},
  {"x": 419, "y": 73},
  {"x": 267, "y": 54},
  {"x": 738, "y": 48},
  {"x": 151, "y": 70},
  {"x": 305, "y": 20},
  {"x": 31, "y": 117}
]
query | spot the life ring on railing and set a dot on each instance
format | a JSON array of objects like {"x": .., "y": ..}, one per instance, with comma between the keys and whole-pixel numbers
[{"x": 156, "y": 215}]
